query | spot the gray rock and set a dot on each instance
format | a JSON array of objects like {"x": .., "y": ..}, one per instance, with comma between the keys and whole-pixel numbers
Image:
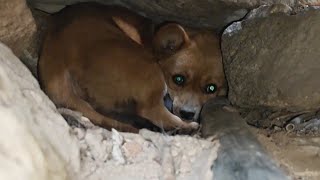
[
  {"x": 266, "y": 10},
  {"x": 274, "y": 61},
  {"x": 310, "y": 2},
  {"x": 240, "y": 155},
  {"x": 197, "y": 13},
  {"x": 35, "y": 141},
  {"x": 18, "y": 31}
]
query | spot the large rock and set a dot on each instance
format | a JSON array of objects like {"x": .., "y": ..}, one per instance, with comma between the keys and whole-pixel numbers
[
  {"x": 202, "y": 13},
  {"x": 274, "y": 61},
  {"x": 35, "y": 141},
  {"x": 18, "y": 31}
]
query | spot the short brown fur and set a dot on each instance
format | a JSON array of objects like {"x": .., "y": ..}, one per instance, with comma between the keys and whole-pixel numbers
[{"x": 96, "y": 57}]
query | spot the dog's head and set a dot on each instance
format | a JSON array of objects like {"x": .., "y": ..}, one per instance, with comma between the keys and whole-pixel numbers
[{"x": 192, "y": 66}]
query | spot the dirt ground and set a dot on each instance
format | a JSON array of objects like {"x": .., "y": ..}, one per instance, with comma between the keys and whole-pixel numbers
[{"x": 298, "y": 155}]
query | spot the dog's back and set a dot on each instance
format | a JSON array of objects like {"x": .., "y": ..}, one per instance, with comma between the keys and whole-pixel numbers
[{"x": 93, "y": 58}]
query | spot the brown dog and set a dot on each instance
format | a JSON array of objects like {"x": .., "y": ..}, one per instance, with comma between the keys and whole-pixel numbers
[
  {"x": 93, "y": 61},
  {"x": 192, "y": 65}
]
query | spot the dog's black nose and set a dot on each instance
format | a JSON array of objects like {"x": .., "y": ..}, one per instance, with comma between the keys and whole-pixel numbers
[{"x": 188, "y": 115}]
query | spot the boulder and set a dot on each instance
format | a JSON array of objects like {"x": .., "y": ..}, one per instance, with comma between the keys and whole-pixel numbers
[
  {"x": 18, "y": 30},
  {"x": 35, "y": 141},
  {"x": 204, "y": 13},
  {"x": 273, "y": 61}
]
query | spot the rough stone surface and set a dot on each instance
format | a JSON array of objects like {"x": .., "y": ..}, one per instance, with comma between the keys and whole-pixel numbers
[
  {"x": 266, "y": 10},
  {"x": 310, "y": 2},
  {"x": 18, "y": 30},
  {"x": 203, "y": 13},
  {"x": 35, "y": 141},
  {"x": 144, "y": 156},
  {"x": 274, "y": 61}
]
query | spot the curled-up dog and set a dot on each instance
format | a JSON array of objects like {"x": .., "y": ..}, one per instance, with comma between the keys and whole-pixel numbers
[{"x": 96, "y": 59}]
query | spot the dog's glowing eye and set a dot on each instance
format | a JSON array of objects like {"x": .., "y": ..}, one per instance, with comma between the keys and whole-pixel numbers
[
  {"x": 178, "y": 79},
  {"x": 211, "y": 88}
]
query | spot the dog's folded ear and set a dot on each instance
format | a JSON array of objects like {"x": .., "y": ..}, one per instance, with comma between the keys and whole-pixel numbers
[
  {"x": 169, "y": 39},
  {"x": 129, "y": 29}
]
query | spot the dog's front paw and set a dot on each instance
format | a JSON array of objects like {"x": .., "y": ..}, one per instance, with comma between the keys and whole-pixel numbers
[
  {"x": 189, "y": 128},
  {"x": 194, "y": 125}
]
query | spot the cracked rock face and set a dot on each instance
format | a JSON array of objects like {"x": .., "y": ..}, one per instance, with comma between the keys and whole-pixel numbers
[
  {"x": 215, "y": 14},
  {"x": 274, "y": 61}
]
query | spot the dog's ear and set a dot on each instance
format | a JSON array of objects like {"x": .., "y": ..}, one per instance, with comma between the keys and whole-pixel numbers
[
  {"x": 169, "y": 39},
  {"x": 129, "y": 29}
]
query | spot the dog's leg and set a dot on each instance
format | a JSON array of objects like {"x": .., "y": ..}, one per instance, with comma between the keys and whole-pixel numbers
[
  {"x": 61, "y": 92},
  {"x": 78, "y": 104},
  {"x": 162, "y": 118}
]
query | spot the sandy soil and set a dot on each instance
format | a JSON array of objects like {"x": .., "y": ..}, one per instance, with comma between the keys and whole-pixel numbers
[{"x": 299, "y": 155}]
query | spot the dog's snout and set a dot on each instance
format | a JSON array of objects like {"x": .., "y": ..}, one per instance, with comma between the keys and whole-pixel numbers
[{"x": 188, "y": 115}]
